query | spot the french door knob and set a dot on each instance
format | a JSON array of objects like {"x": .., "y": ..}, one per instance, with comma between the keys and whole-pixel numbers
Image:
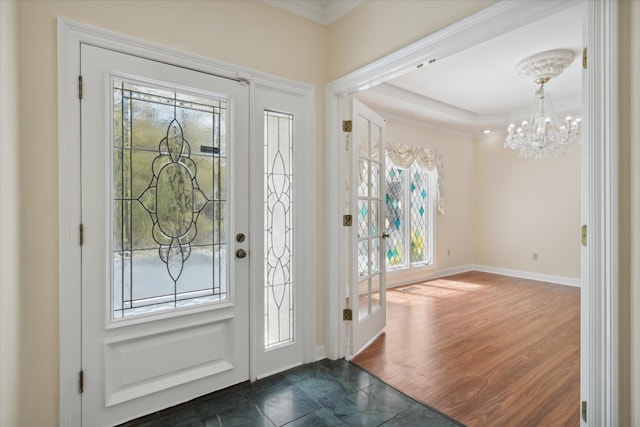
[
  {"x": 385, "y": 235},
  {"x": 241, "y": 253}
]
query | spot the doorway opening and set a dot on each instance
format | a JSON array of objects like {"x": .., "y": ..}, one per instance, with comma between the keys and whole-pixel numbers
[{"x": 595, "y": 264}]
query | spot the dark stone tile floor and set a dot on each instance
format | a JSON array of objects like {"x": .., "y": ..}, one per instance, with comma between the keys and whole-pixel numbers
[{"x": 324, "y": 393}]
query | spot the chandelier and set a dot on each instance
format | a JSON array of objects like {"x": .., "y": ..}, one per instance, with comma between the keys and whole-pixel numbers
[{"x": 543, "y": 135}]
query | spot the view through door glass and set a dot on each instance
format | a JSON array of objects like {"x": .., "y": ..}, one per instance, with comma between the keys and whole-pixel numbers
[{"x": 169, "y": 200}]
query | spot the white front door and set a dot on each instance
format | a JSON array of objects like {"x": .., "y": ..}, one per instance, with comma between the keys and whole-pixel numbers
[
  {"x": 165, "y": 196},
  {"x": 367, "y": 285}
]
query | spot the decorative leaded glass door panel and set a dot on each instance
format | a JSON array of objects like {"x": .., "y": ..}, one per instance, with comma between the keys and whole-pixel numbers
[
  {"x": 165, "y": 198},
  {"x": 367, "y": 287},
  {"x": 278, "y": 225}
]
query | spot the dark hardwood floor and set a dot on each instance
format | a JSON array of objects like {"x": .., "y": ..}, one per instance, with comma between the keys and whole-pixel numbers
[{"x": 486, "y": 349}]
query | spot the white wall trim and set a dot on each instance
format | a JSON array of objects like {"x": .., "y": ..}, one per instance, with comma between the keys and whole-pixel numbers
[
  {"x": 10, "y": 242},
  {"x": 335, "y": 246},
  {"x": 70, "y": 35},
  {"x": 69, "y": 176},
  {"x": 409, "y": 277},
  {"x": 484, "y": 25},
  {"x": 558, "y": 280},
  {"x": 603, "y": 207},
  {"x": 601, "y": 379}
]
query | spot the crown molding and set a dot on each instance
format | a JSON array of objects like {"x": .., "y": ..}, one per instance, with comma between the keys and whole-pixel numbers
[{"x": 323, "y": 12}]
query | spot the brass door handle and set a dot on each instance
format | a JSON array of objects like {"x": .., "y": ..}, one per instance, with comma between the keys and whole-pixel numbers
[
  {"x": 241, "y": 253},
  {"x": 385, "y": 235}
]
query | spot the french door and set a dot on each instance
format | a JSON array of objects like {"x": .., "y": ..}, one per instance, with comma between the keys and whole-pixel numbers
[
  {"x": 367, "y": 282},
  {"x": 165, "y": 201}
]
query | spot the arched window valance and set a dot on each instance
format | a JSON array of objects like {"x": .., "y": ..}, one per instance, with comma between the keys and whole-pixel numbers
[{"x": 403, "y": 157}]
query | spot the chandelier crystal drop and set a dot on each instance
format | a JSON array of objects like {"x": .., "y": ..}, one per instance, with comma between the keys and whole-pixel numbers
[{"x": 544, "y": 135}]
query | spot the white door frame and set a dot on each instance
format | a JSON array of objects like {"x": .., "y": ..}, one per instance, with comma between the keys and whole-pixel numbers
[
  {"x": 70, "y": 35},
  {"x": 599, "y": 371}
]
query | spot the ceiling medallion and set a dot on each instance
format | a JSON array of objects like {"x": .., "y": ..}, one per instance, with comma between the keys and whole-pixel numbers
[{"x": 543, "y": 135}]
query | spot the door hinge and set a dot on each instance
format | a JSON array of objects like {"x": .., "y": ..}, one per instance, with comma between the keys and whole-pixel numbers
[
  {"x": 584, "y": 411},
  {"x": 347, "y": 220},
  {"x": 347, "y": 314},
  {"x": 81, "y": 382},
  {"x": 584, "y": 235},
  {"x": 81, "y": 234},
  {"x": 79, "y": 87},
  {"x": 347, "y": 126},
  {"x": 584, "y": 58}
]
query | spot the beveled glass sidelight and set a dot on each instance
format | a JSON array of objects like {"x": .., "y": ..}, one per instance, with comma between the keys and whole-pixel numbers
[
  {"x": 279, "y": 290},
  {"x": 170, "y": 204}
]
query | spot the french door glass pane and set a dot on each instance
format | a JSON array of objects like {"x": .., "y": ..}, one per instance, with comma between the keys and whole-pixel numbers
[
  {"x": 369, "y": 218},
  {"x": 279, "y": 310},
  {"x": 169, "y": 209}
]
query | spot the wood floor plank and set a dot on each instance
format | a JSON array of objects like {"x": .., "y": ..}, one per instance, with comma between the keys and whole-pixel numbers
[{"x": 485, "y": 349}]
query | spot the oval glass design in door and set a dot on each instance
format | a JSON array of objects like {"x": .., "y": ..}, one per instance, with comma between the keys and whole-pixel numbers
[{"x": 170, "y": 204}]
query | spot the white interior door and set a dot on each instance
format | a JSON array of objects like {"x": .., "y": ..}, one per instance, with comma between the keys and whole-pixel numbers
[
  {"x": 367, "y": 285},
  {"x": 165, "y": 196}
]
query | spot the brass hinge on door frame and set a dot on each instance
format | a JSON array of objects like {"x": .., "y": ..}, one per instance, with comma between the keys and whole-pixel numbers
[
  {"x": 584, "y": 411},
  {"x": 584, "y": 58},
  {"x": 584, "y": 235},
  {"x": 81, "y": 381},
  {"x": 81, "y": 234},
  {"x": 79, "y": 87},
  {"x": 347, "y": 314},
  {"x": 347, "y": 126}
]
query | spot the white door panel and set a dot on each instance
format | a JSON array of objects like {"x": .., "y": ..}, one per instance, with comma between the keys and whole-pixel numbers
[
  {"x": 165, "y": 191},
  {"x": 367, "y": 288},
  {"x": 279, "y": 225}
]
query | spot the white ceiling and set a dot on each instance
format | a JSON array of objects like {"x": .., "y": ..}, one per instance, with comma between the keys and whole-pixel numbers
[{"x": 478, "y": 89}]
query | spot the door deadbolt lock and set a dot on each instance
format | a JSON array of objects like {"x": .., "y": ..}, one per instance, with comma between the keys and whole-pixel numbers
[
  {"x": 241, "y": 253},
  {"x": 240, "y": 237}
]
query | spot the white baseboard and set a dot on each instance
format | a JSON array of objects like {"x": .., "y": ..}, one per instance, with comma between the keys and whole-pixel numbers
[
  {"x": 559, "y": 280},
  {"x": 405, "y": 277},
  {"x": 321, "y": 352}
]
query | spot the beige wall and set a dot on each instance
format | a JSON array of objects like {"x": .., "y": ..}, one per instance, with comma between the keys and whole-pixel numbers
[
  {"x": 454, "y": 229},
  {"x": 501, "y": 208},
  {"x": 9, "y": 216},
  {"x": 252, "y": 34},
  {"x": 629, "y": 296},
  {"x": 524, "y": 206},
  {"x": 634, "y": 282}
]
